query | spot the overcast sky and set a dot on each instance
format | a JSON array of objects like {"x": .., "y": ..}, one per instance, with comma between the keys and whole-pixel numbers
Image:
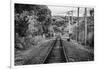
[{"x": 59, "y": 10}]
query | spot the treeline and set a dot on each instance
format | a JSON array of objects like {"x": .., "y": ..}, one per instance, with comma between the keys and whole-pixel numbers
[
  {"x": 23, "y": 12},
  {"x": 30, "y": 21}
]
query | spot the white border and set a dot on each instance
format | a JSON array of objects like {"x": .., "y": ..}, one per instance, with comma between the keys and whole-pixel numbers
[{"x": 12, "y": 36}]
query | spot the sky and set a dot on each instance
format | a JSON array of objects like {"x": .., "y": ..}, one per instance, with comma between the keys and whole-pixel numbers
[{"x": 60, "y": 10}]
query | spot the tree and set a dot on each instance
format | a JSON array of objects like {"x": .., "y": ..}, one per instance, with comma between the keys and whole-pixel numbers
[
  {"x": 42, "y": 13},
  {"x": 91, "y": 12},
  {"x": 44, "y": 18},
  {"x": 21, "y": 26}
]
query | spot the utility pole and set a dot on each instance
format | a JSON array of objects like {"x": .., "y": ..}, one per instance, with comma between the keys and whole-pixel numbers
[
  {"x": 85, "y": 18},
  {"x": 77, "y": 32},
  {"x": 68, "y": 16},
  {"x": 69, "y": 20},
  {"x": 71, "y": 23},
  {"x": 72, "y": 17}
]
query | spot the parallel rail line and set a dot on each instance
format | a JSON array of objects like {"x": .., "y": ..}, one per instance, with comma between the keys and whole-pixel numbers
[
  {"x": 63, "y": 57},
  {"x": 65, "y": 53},
  {"x": 56, "y": 53}
]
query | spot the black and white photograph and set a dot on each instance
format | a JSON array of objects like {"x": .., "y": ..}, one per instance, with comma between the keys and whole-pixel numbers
[{"x": 48, "y": 34}]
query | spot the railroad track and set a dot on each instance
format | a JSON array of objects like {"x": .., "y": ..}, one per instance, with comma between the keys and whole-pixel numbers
[{"x": 56, "y": 53}]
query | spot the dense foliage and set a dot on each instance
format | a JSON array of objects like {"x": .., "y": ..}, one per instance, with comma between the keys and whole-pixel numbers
[{"x": 30, "y": 21}]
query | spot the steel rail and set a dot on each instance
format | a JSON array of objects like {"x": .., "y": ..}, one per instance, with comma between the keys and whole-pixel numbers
[
  {"x": 50, "y": 50},
  {"x": 66, "y": 56}
]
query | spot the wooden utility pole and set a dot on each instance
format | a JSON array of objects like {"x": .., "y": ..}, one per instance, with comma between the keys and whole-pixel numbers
[
  {"x": 85, "y": 18},
  {"x": 77, "y": 32},
  {"x": 68, "y": 13},
  {"x": 72, "y": 17},
  {"x": 69, "y": 22}
]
